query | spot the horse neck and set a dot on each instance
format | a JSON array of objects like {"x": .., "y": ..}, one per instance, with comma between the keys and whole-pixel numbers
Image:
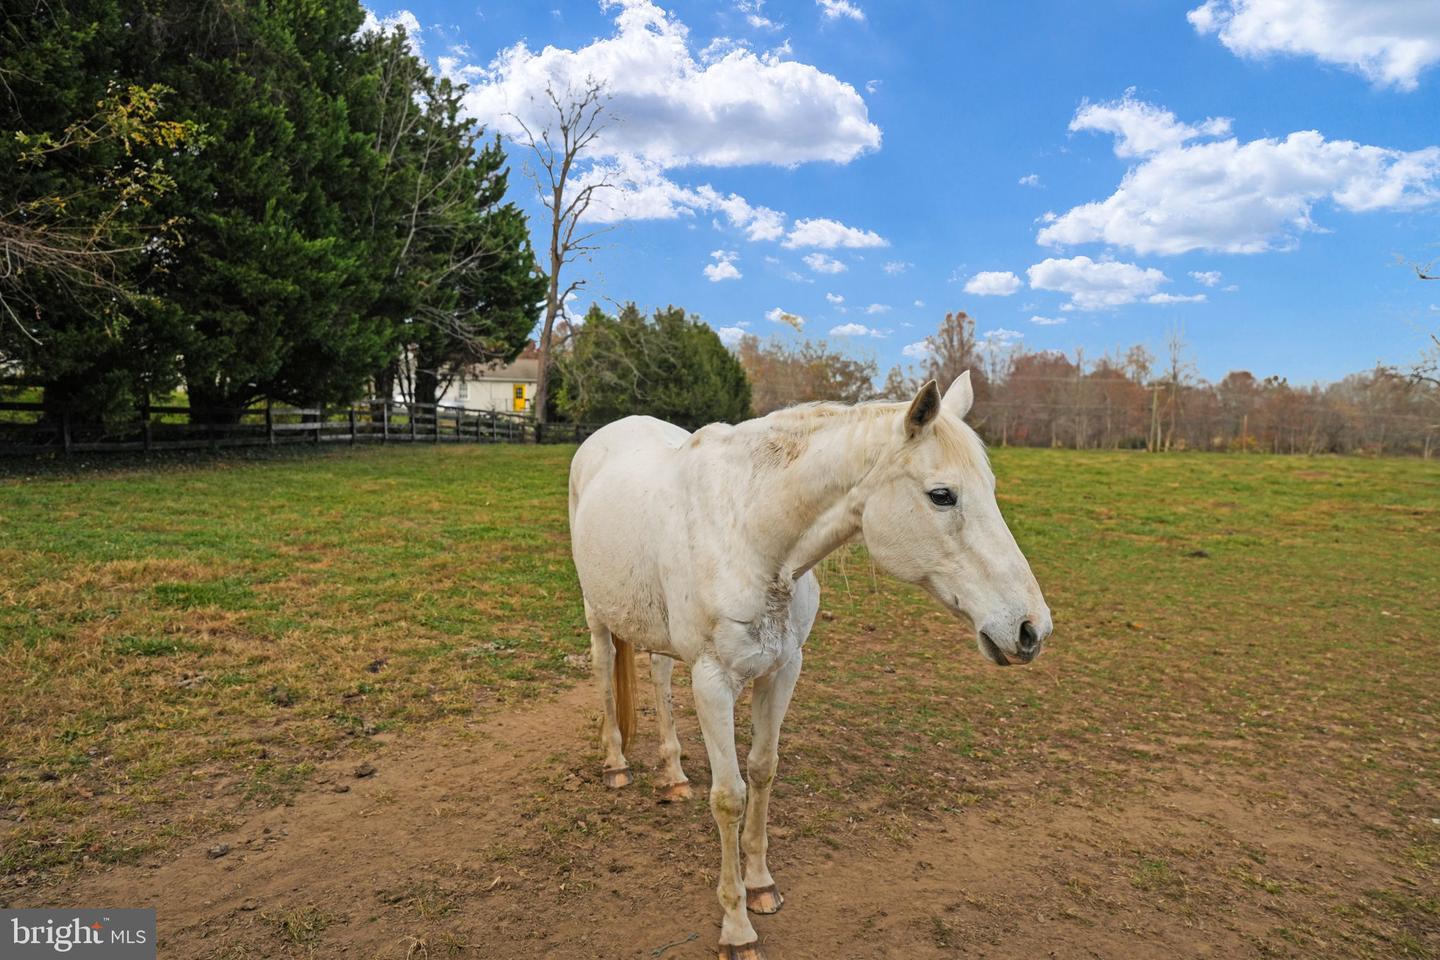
[{"x": 808, "y": 480}]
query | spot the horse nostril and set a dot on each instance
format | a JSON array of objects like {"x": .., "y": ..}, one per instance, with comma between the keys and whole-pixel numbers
[{"x": 1029, "y": 639}]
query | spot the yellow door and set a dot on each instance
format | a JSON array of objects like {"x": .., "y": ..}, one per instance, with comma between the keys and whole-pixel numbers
[{"x": 520, "y": 398}]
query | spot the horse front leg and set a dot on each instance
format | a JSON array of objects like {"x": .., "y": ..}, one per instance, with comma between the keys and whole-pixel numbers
[
  {"x": 770, "y": 700},
  {"x": 715, "y": 690}
]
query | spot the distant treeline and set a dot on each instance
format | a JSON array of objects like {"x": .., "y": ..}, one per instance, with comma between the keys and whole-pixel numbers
[
  {"x": 1124, "y": 401},
  {"x": 249, "y": 200}
]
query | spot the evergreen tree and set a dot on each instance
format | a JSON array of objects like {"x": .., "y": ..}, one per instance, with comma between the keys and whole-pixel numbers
[
  {"x": 84, "y": 157},
  {"x": 672, "y": 366},
  {"x": 462, "y": 284},
  {"x": 267, "y": 293},
  {"x": 263, "y": 204}
]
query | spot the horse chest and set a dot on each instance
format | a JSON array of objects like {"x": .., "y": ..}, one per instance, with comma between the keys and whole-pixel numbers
[{"x": 757, "y": 645}]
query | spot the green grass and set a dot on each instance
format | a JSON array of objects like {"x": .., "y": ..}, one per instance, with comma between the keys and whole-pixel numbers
[
  {"x": 249, "y": 614},
  {"x": 221, "y": 625}
]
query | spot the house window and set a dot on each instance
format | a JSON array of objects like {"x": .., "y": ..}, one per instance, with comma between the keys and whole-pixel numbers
[{"x": 463, "y": 393}]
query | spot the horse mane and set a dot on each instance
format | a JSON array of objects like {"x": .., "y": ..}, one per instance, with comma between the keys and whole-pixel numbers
[{"x": 782, "y": 436}]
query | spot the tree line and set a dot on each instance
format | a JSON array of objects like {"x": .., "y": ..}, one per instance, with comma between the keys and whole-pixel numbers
[
  {"x": 673, "y": 366},
  {"x": 1129, "y": 399},
  {"x": 247, "y": 201}
]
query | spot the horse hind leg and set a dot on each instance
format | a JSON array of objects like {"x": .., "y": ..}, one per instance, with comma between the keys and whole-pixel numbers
[
  {"x": 603, "y": 663},
  {"x": 674, "y": 785}
]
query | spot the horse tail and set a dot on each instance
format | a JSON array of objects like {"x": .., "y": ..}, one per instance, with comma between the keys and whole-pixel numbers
[{"x": 625, "y": 684}]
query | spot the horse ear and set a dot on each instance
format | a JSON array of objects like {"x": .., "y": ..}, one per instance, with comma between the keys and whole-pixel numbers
[
  {"x": 924, "y": 408},
  {"x": 960, "y": 396}
]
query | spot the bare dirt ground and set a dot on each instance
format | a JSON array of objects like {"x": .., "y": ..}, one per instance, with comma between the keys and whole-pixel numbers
[{"x": 501, "y": 843}]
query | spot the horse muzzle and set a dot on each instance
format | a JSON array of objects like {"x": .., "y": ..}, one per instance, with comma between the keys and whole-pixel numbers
[{"x": 1025, "y": 646}]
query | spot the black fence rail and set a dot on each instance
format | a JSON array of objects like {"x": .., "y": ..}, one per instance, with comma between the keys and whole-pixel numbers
[{"x": 25, "y": 427}]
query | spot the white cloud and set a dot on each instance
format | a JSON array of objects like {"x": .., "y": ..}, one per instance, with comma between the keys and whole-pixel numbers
[
  {"x": 896, "y": 267},
  {"x": 993, "y": 341},
  {"x": 1169, "y": 298},
  {"x": 724, "y": 266},
  {"x": 820, "y": 263},
  {"x": 1141, "y": 128},
  {"x": 993, "y": 283},
  {"x": 829, "y": 234},
  {"x": 724, "y": 270},
  {"x": 755, "y": 16},
  {"x": 1389, "y": 42},
  {"x": 1047, "y": 321},
  {"x": 1095, "y": 285},
  {"x": 917, "y": 351},
  {"x": 730, "y": 335},
  {"x": 877, "y": 308},
  {"x": 1206, "y": 278},
  {"x": 873, "y": 86},
  {"x": 672, "y": 108},
  {"x": 835, "y": 9},
  {"x": 851, "y": 330},
  {"x": 834, "y": 298},
  {"x": 1229, "y": 196},
  {"x": 919, "y": 303},
  {"x": 1030, "y": 180},
  {"x": 640, "y": 190},
  {"x": 777, "y": 315}
]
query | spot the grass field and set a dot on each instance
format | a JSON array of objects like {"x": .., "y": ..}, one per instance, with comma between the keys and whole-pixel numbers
[{"x": 182, "y": 644}]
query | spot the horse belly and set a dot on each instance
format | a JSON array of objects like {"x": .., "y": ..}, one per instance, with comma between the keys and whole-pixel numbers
[{"x": 615, "y": 541}]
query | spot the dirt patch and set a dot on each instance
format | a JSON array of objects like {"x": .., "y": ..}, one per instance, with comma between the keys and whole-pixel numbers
[{"x": 499, "y": 842}]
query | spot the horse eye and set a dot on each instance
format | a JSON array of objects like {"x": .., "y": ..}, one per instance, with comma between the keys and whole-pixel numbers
[{"x": 943, "y": 497}]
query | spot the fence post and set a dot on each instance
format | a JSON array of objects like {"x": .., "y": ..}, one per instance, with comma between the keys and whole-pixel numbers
[
  {"x": 352, "y": 425},
  {"x": 65, "y": 432},
  {"x": 145, "y": 424},
  {"x": 269, "y": 422},
  {"x": 413, "y": 434},
  {"x": 319, "y": 422},
  {"x": 384, "y": 421}
]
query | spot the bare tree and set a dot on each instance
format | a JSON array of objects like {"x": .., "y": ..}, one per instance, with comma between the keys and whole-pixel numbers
[
  {"x": 1175, "y": 380},
  {"x": 782, "y": 376},
  {"x": 1428, "y": 369},
  {"x": 575, "y": 119}
]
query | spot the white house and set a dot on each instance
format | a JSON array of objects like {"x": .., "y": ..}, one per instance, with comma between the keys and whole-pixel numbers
[{"x": 509, "y": 387}]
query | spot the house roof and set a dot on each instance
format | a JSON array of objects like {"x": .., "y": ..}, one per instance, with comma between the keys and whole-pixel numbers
[{"x": 525, "y": 367}]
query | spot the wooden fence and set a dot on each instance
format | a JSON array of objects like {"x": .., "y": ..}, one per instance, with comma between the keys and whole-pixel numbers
[{"x": 25, "y": 428}]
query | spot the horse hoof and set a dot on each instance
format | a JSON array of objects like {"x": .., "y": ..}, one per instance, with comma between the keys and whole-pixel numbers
[
  {"x": 618, "y": 778},
  {"x": 675, "y": 792},
  {"x": 764, "y": 900},
  {"x": 742, "y": 951}
]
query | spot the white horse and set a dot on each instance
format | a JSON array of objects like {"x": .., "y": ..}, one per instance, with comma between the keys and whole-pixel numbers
[{"x": 699, "y": 547}]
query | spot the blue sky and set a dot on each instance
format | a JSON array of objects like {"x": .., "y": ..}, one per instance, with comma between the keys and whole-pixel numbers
[{"x": 1072, "y": 175}]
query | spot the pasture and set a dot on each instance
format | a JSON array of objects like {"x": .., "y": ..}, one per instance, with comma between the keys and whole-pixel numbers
[{"x": 338, "y": 704}]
